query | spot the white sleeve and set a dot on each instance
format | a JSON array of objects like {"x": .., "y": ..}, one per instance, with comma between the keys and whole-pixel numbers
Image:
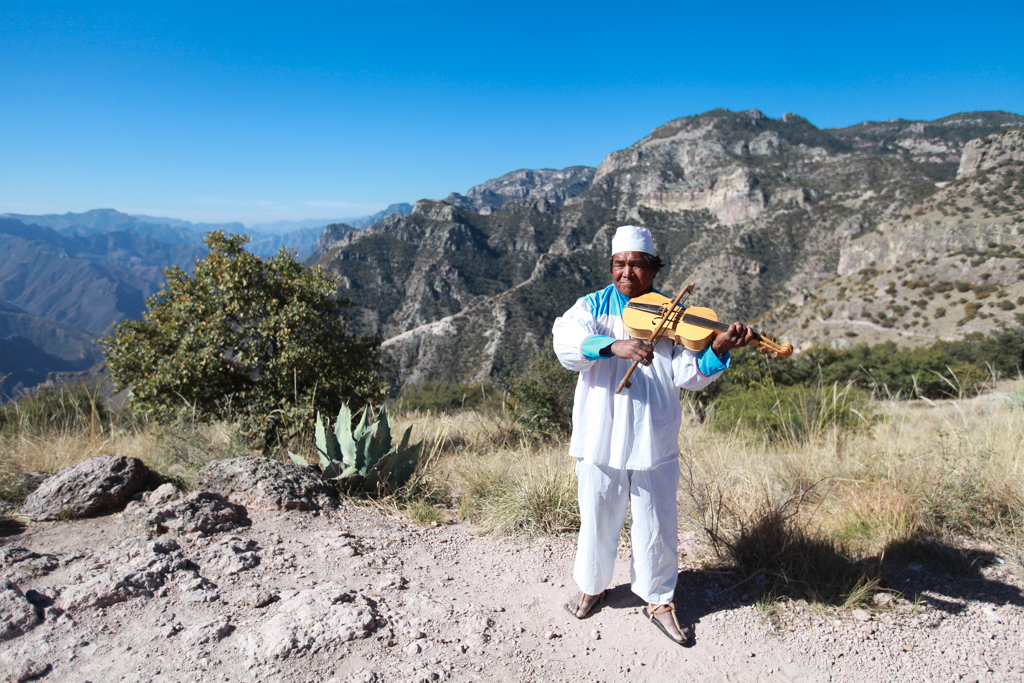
[
  {"x": 570, "y": 331},
  {"x": 686, "y": 373}
]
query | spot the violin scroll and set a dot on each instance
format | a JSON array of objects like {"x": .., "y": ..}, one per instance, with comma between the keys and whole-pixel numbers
[{"x": 769, "y": 347}]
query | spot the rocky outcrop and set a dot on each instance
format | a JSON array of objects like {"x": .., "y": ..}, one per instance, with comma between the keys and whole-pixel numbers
[
  {"x": 311, "y": 619},
  {"x": 333, "y": 234},
  {"x": 201, "y": 513},
  {"x": 17, "y": 614},
  {"x": 130, "y": 568},
  {"x": 754, "y": 210},
  {"x": 941, "y": 269},
  {"x": 23, "y": 562},
  {"x": 990, "y": 153},
  {"x": 551, "y": 185},
  {"x": 255, "y": 482},
  {"x": 101, "y": 483}
]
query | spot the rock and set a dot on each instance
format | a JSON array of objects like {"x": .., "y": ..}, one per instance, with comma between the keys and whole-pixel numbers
[
  {"x": 138, "y": 566},
  {"x": 23, "y": 668},
  {"x": 27, "y": 659},
  {"x": 262, "y": 599},
  {"x": 207, "y": 632},
  {"x": 229, "y": 556},
  {"x": 164, "y": 493},
  {"x": 309, "y": 620},
  {"x": 17, "y": 614},
  {"x": 595, "y": 634},
  {"x": 413, "y": 648},
  {"x": 97, "y": 484},
  {"x": 260, "y": 483},
  {"x": 861, "y": 615},
  {"x": 476, "y": 627},
  {"x": 201, "y": 513},
  {"x": 27, "y": 562},
  {"x": 883, "y": 599}
]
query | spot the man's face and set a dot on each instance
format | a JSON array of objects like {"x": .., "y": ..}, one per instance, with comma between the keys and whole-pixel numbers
[{"x": 631, "y": 274}]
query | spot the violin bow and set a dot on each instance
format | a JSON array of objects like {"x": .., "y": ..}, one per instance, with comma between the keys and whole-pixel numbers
[{"x": 658, "y": 332}]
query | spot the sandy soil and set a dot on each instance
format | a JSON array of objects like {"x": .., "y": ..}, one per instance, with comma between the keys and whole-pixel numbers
[{"x": 450, "y": 604}]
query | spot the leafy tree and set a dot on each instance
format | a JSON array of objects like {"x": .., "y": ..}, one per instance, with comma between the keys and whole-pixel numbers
[{"x": 245, "y": 335}]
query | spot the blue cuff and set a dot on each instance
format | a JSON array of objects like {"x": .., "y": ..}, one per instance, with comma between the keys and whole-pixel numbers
[
  {"x": 708, "y": 362},
  {"x": 592, "y": 345}
]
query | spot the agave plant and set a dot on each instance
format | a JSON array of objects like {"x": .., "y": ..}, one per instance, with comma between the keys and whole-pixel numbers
[{"x": 363, "y": 458}]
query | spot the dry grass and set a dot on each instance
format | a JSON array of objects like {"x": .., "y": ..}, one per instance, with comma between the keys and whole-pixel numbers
[
  {"x": 926, "y": 471},
  {"x": 175, "y": 452},
  {"x": 501, "y": 481},
  {"x": 928, "y": 477}
]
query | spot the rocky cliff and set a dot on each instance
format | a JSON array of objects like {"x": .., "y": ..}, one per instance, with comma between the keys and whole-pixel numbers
[
  {"x": 554, "y": 186},
  {"x": 940, "y": 269},
  {"x": 758, "y": 211}
]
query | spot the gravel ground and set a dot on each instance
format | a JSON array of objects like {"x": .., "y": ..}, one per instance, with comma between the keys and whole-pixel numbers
[{"x": 352, "y": 595}]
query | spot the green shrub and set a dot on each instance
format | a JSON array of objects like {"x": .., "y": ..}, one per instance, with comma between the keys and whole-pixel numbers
[
  {"x": 436, "y": 397},
  {"x": 542, "y": 395},
  {"x": 793, "y": 413}
]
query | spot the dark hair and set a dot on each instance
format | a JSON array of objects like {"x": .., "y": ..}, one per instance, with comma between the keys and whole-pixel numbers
[{"x": 653, "y": 262}]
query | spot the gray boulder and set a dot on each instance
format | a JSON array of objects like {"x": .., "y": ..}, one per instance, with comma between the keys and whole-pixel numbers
[
  {"x": 261, "y": 483},
  {"x": 97, "y": 484},
  {"x": 202, "y": 513},
  {"x": 17, "y": 614},
  {"x": 130, "y": 568}
]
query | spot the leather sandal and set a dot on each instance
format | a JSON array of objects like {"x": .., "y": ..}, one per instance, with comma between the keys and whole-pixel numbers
[
  {"x": 599, "y": 598},
  {"x": 652, "y": 611}
]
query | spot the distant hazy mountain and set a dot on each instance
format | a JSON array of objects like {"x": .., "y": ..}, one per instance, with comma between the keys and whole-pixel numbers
[
  {"x": 282, "y": 227},
  {"x": 65, "y": 279},
  {"x": 367, "y": 221},
  {"x": 25, "y": 365},
  {"x": 88, "y": 281},
  {"x": 234, "y": 227}
]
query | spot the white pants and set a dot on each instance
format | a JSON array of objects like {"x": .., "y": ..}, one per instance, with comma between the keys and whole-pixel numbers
[{"x": 604, "y": 494}]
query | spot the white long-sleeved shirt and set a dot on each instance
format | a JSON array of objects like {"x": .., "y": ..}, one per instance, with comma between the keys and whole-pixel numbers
[{"x": 637, "y": 429}]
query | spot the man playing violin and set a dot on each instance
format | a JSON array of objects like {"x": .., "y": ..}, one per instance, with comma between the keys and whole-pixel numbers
[{"x": 626, "y": 445}]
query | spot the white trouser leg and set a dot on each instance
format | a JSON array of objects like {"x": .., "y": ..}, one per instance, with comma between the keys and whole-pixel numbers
[
  {"x": 653, "y": 532},
  {"x": 604, "y": 496}
]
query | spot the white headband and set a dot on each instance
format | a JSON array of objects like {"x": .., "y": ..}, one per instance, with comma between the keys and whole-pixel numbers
[{"x": 633, "y": 238}]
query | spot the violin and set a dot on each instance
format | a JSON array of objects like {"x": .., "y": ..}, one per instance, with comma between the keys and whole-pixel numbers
[{"x": 653, "y": 316}]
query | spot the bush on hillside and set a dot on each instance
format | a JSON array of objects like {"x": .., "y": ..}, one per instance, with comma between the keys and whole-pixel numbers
[
  {"x": 793, "y": 413},
  {"x": 542, "y": 395},
  {"x": 943, "y": 370},
  {"x": 437, "y": 397},
  {"x": 266, "y": 339}
]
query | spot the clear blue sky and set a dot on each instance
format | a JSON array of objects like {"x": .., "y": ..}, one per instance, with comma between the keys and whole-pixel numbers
[{"x": 260, "y": 112}]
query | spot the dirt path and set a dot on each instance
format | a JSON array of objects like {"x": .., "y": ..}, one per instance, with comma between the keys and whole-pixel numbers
[{"x": 447, "y": 604}]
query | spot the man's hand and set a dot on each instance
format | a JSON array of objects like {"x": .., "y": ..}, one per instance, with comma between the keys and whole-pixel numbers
[
  {"x": 633, "y": 349},
  {"x": 737, "y": 335}
]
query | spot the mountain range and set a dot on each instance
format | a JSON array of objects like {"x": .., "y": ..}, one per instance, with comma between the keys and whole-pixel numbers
[
  {"x": 761, "y": 213},
  {"x": 891, "y": 230}
]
